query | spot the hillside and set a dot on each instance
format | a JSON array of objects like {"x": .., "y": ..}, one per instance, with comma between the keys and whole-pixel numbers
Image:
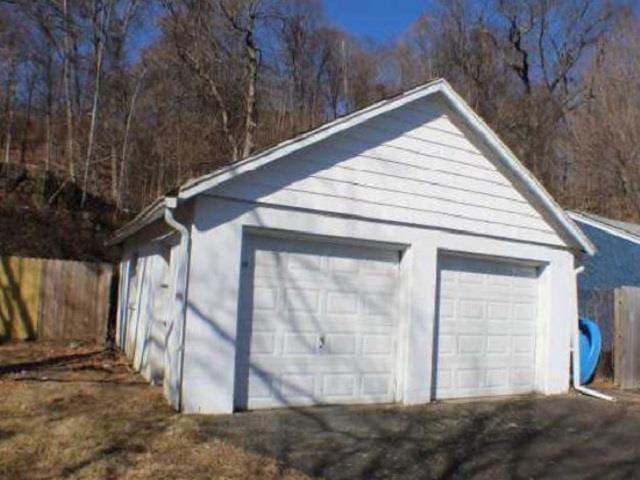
[{"x": 40, "y": 216}]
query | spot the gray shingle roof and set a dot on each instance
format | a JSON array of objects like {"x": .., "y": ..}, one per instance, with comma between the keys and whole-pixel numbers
[{"x": 624, "y": 227}]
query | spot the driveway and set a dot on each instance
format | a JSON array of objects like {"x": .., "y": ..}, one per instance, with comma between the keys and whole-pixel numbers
[
  {"x": 74, "y": 411},
  {"x": 533, "y": 437}
]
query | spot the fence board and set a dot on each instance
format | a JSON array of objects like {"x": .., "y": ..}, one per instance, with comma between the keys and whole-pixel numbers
[
  {"x": 627, "y": 337},
  {"x": 75, "y": 300},
  {"x": 20, "y": 280},
  {"x": 53, "y": 299}
]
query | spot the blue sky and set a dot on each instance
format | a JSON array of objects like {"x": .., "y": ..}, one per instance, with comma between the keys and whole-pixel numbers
[{"x": 377, "y": 19}]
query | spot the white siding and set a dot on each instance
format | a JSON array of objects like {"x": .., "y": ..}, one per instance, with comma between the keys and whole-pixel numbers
[{"x": 412, "y": 166}]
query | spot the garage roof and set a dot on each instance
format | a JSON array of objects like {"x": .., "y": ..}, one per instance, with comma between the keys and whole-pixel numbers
[
  {"x": 529, "y": 185},
  {"x": 628, "y": 231}
]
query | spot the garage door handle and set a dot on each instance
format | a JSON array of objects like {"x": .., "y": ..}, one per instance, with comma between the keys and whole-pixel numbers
[{"x": 320, "y": 342}]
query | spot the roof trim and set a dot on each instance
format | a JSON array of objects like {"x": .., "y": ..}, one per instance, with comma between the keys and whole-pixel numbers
[
  {"x": 577, "y": 216},
  {"x": 206, "y": 182},
  {"x": 148, "y": 215},
  {"x": 528, "y": 180}
]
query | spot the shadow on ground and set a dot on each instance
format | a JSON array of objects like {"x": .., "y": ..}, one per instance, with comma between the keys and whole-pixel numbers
[
  {"x": 74, "y": 411},
  {"x": 529, "y": 437}
]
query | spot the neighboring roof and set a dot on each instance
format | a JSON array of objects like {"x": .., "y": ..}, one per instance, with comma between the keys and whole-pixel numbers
[
  {"x": 526, "y": 180},
  {"x": 626, "y": 230}
]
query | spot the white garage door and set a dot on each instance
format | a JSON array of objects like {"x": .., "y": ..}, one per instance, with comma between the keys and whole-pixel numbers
[
  {"x": 317, "y": 324},
  {"x": 486, "y": 330}
]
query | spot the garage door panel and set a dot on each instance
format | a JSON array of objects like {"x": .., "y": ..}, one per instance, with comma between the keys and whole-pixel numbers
[
  {"x": 380, "y": 387},
  {"x": 341, "y": 282},
  {"x": 498, "y": 327},
  {"x": 380, "y": 344},
  {"x": 265, "y": 297},
  {"x": 297, "y": 344},
  {"x": 298, "y": 299},
  {"x": 263, "y": 343},
  {"x": 522, "y": 377},
  {"x": 487, "y": 294},
  {"x": 277, "y": 364},
  {"x": 497, "y": 378},
  {"x": 498, "y": 344},
  {"x": 523, "y": 345},
  {"x": 525, "y": 311},
  {"x": 297, "y": 385},
  {"x": 487, "y": 326},
  {"x": 321, "y": 323},
  {"x": 469, "y": 378},
  {"x": 339, "y": 385},
  {"x": 342, "y": 302},
  {"x": 262, "y": 386}
]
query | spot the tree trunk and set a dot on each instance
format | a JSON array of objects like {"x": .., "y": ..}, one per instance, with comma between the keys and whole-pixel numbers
[
  {"x": 47, "y": 158},
  {"x": 9, "y": 108},
  {"x": 66, "y": 80},
  {"x": 124, "y": 166},
  {"x": 101, "y": 26},
  {"x": 27, "y": 127},
  {"x": 114, "y": 173},
  {"x": 250, "y": 94}
]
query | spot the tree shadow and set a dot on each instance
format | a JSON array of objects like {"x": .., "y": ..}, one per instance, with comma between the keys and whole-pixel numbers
[
  {"x": 18, "y": 316},
  {"x": 47, "y": 362},
  {"x": 518, "y": 438}
]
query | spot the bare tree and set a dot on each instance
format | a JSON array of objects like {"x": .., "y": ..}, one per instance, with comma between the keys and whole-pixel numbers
[
  {"x": 66, "y": 79},
  {"x": 217, "y": 41},
  {"x": 605, "y": 138},
  {"x": 100, "y": 20},
  {"x": 118, "y": 183}
]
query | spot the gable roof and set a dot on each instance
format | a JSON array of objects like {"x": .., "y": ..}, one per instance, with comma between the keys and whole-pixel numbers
[
  {"x": 628, "y": 231},
  {"x": 529, "y": 184}
]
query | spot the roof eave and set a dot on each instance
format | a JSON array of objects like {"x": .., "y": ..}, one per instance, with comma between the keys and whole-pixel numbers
[
  {"x": 528, "y": 180},
  {"x": 150, "y": 214},
  {"x": 577, "y": 216}
]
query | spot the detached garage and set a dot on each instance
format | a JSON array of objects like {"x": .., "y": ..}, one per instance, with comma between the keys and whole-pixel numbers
[{"x": 398, "y": 254}]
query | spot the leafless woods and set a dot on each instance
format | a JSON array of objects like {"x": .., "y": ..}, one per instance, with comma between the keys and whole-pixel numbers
[{"x": 128, "y": 98}]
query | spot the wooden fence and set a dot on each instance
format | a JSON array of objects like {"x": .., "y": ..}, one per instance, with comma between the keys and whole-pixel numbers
[
  {"x": 627, "y": 338},
  {"x": 53, "y": 299}
]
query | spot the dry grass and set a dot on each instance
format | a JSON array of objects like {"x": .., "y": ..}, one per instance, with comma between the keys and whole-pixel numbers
[{"x": 72, "y": 411}]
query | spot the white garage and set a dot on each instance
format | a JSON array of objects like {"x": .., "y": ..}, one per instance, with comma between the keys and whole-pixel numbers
[{"x": 398, "y": 254}]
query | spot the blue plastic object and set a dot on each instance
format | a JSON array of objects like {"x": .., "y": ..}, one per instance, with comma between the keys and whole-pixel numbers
[{"x": 590, "y": 347}]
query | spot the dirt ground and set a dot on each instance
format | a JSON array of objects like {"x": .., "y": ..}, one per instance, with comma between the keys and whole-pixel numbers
[{"x": 73, "y": 411}]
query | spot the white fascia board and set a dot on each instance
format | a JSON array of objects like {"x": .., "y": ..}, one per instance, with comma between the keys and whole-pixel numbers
[
  {"x": 521, "y": 173},
  {"x": 147, "y": 216},
  {"x": 604, "y": 227}
]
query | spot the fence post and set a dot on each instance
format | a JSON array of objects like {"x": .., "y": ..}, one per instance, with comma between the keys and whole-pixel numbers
[{"x": 617, "y": 336}]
